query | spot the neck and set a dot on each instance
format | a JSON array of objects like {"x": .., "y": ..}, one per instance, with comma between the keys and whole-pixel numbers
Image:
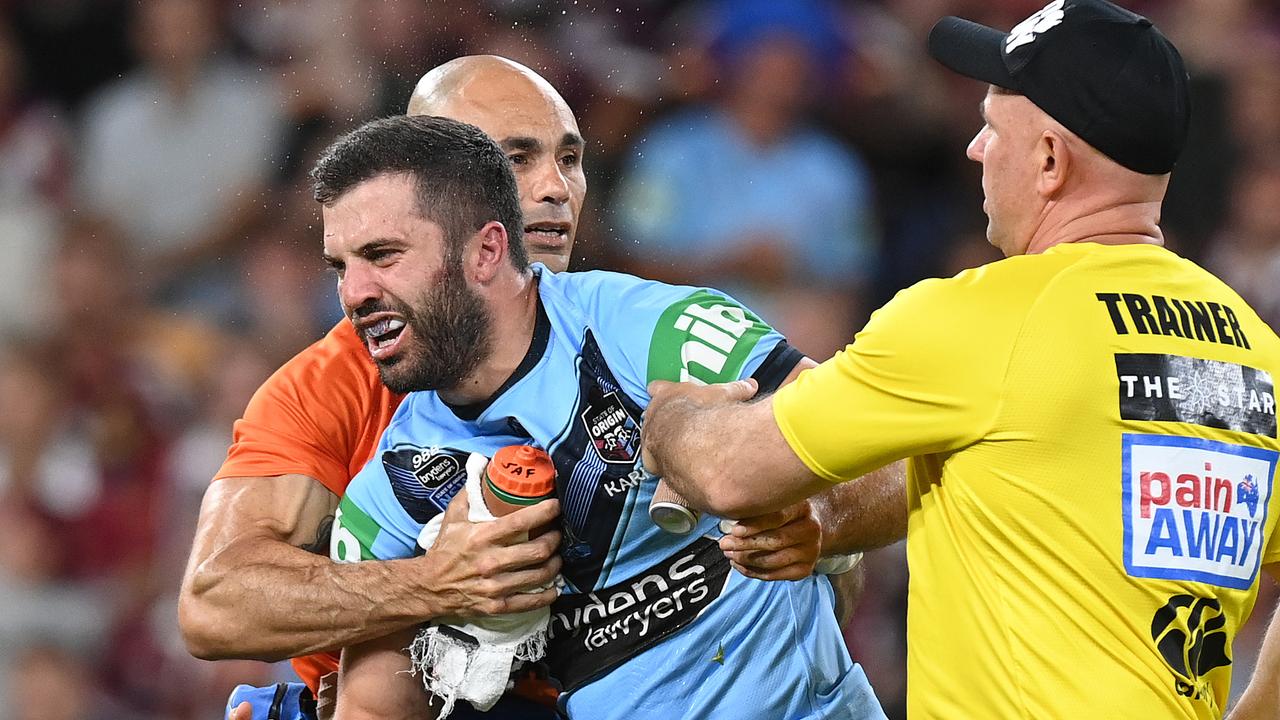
[
  {"x": 1134, "y": 223},
  {"x": 513, "y": 302}
]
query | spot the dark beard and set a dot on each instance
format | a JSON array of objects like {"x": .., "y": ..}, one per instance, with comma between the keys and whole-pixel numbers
[{"x": 450, "y": 336}]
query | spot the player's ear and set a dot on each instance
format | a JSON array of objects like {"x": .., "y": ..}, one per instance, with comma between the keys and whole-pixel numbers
[{"x": 488, "y": 251}]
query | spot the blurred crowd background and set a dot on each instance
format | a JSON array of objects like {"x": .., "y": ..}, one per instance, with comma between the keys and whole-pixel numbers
[{"x": 160, "y": 250}]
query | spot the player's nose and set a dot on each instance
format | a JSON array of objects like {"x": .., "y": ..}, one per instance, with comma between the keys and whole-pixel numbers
[
  {"x": 549, "y": 183},
  {"x": 358, "y": 288}
]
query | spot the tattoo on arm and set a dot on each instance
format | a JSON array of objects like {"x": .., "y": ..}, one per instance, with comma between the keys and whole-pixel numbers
[{"x": 321, "y": 544}]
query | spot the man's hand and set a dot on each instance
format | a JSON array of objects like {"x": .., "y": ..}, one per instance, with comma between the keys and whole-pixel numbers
[
  {"x": 494, "y": 568},
  {"x": 721, "y": 453},
  {"x": 672, "y": 406},
  {"x": 782, "y": 545},
  {"x": 243, "y": 711}
]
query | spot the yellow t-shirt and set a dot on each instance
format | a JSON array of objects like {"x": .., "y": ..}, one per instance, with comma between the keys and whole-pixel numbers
[{"x": 1092, "y": 444}]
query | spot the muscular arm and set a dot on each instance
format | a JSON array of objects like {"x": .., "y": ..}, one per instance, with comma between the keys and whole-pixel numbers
[
  {"x": 852, "y": 517},
  {"x": 1261, "y": 699},
  {"x": 866, "y": 514},
  {"x": 723, "y": 452},
  {"x": 251, "y": 591}
]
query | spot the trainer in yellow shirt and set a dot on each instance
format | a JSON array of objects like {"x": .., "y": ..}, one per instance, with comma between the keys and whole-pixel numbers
[
  {"x": 1090, "y": 423},
  {"x": 1092, "y": 435}
]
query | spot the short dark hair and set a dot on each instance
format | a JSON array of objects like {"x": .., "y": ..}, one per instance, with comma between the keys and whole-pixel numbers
[{"x": 463, "y": 178}]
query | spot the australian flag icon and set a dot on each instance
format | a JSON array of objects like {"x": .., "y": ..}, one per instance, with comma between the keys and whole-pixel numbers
[{"x": 1247, "y": 493}]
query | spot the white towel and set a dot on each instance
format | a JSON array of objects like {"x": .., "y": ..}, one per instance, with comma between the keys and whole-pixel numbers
[{"x": 472, "y": 659}]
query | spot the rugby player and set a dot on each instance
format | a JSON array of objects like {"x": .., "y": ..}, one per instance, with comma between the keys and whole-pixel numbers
[{"x": 495, "y": 352}]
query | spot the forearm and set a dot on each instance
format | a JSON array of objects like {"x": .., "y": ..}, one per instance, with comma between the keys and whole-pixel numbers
[
  {"x": 728, "y": 458},
  {"x": 260, "y": 584},
  {"x": 259, "y": 597},
  {"x": 865, "y": 514},
  {"x": 251, "y": 590},
  {"x": 685, "y": 455}
]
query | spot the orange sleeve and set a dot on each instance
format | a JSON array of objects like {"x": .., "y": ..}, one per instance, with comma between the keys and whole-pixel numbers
[
  {"x": 319, "y": 415},
  {"x": 310, "y": 668}
]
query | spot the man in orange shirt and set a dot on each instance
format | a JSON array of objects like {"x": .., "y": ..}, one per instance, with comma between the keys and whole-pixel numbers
[{"x": 249, "y": 591}]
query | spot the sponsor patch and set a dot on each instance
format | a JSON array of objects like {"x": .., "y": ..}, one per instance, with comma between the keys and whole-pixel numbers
[
  {"x": 425, "y": 479},
  {"x": 1173, "y": 388},
  {"x": 704, "y": 338},
  {"x": 613, "y": 432},
  {"x": 592, "y": 633},
  {"x": 1195, "y": 509},
  {"x": 353, "y": 533}
]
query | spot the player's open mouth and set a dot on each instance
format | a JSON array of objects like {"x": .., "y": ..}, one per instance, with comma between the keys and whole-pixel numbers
[
  {"x": 544, "y": 236},
  {"x": 383, "y": 337}
]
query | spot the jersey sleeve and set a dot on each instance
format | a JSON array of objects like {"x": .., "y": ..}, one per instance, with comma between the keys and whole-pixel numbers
[
  {"x": 393, "y": 497},
  {"x": 316, "y": 416},
  {"x": 366, "y": 527},
  {"x": 923, "y": 377},
  {"x": 682, "y": 334}
]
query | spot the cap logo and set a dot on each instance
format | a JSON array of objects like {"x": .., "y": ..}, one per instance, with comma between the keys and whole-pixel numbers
[{"x": 1024, "y": 32}]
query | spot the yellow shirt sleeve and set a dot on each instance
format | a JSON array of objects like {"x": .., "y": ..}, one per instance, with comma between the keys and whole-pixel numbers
[{"x": 923, "y": 377}]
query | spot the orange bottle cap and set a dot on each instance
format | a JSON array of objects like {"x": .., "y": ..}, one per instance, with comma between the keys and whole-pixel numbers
[{"x": 523, "y": 471}]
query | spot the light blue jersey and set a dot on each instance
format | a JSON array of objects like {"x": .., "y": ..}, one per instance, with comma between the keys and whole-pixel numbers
[{"x": 652, "y": 625}]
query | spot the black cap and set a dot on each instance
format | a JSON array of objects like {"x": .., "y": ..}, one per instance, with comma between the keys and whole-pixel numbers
[{"x": 1106, "y": 74}]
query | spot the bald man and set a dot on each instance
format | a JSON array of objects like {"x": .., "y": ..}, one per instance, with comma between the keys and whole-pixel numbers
[{"x": 531, "y": 122}]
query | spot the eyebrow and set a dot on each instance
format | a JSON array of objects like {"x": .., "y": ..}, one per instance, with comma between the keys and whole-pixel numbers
[
  {"x": 374, "y": 244},
  {"x": 527, "y": 144},
  {"x": 532, "y": 144}
]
